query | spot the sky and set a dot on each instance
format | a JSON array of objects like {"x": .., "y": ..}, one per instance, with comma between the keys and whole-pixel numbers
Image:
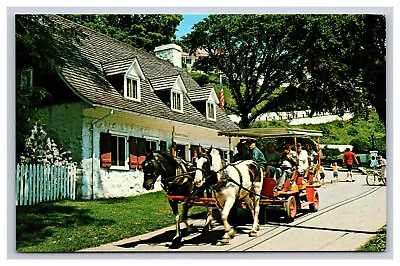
[{"x": 187, "y": 23}]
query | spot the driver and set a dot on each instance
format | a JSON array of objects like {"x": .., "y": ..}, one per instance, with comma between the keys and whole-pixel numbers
[{"x": 258, "y": 156}]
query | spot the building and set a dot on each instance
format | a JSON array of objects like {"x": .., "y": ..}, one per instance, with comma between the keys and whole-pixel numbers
[{"x": 112, "y": 103}]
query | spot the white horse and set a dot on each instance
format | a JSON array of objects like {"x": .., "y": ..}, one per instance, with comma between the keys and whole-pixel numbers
[{"x": 239, "y": 181}]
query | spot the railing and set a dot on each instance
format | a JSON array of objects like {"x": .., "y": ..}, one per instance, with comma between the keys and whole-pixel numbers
[{"x": 37, "y": 183}]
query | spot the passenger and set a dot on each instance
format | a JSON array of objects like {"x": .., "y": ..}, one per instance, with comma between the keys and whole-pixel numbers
[
  {"x": 302, "y": 157},
  {"x": 242, "y": 153},
  {"x": 272, "y": 156},
  {"x": 288, "y": 162},
  {"x": 258, "y": 156},
  {"x": 312, "y": 155}
]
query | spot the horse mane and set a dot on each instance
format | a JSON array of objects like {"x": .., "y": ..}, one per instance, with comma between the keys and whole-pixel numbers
[{"x": 171, "y": 160}]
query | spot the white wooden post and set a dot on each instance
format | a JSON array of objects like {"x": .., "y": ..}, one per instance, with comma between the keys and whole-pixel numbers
[
  {"x": 17, "y": 184},
  {"x": 30, "y": 185}
]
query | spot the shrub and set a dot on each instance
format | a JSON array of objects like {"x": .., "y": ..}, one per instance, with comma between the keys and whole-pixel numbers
[{"x": 41, "y": 149}]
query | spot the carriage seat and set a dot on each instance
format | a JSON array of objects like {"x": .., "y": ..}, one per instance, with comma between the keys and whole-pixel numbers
[{"x": 268, "y": 187}]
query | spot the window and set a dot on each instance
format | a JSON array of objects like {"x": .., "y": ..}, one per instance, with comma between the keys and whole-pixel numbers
[
  {"x": 210, "y": 111},
  {"x": 176, "y": 101},
  {"x": 132, "y": 88},
  {"x": 113, "y": 151},
  {"x": 118, "y": 155},
  {"x": 151, "y": 145}
]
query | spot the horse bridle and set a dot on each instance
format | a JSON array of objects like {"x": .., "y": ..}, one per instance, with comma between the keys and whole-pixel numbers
[{"x": 165, "y": 181}]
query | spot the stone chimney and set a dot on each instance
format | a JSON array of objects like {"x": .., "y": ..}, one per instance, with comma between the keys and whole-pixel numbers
[{"x": 171, "y": 53}]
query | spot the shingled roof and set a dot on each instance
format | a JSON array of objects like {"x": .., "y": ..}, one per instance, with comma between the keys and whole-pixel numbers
[{"x": 98, "y": 56}]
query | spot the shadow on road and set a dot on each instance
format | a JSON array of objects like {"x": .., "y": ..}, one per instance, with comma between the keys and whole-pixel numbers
[
  {"x": 324, "y": 228},
  {"x": 165, "y": 239}
]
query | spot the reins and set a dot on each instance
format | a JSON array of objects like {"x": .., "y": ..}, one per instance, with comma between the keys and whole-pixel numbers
[{"x": 233, "y": 181}]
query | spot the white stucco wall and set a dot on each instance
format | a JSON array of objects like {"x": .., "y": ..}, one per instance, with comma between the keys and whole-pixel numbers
[{"x": 108, "y": 183}]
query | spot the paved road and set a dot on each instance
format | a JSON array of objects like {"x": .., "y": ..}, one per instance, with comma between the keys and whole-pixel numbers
[{"x": 348, "y": 216}]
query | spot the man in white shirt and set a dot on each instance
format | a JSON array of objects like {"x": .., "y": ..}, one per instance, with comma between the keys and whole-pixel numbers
[{"x": 302, "y": 157}]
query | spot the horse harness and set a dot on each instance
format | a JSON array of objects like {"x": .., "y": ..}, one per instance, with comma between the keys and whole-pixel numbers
[{"x": 180, "y": 171}]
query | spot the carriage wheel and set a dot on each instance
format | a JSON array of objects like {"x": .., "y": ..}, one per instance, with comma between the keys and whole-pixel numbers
[
  {"x": 370, "y": 179},
  {"x": 314, "y": 206},
  {"x": 290, "y": 209}
]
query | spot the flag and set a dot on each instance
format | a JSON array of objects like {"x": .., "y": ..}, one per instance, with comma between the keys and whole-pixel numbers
[{"x": 221, "y": 94}]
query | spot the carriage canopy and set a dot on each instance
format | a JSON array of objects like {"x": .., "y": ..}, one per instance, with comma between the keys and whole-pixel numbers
[{"x": 270, "y": 132}]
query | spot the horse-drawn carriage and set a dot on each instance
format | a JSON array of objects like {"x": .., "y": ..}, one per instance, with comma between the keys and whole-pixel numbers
[
  {"x": 300, "y": 190},
  {"x": 228, "y": 184}
]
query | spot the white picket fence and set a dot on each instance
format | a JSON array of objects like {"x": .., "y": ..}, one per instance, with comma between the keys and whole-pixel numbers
[{"x": 37, "y": 183}]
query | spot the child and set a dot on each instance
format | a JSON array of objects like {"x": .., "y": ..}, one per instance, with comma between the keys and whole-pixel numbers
[{"x": 335, "y": 169}]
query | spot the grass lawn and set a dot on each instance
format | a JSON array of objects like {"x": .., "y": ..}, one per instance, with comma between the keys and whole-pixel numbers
[
  {"x": 377, "y": 243},
  {"x": 68, "y": 226}
]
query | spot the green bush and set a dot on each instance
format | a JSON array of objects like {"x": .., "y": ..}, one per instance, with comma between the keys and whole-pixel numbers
[{"x": 331, "y": 153}]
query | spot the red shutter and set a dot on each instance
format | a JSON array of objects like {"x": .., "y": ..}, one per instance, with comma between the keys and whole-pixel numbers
[
  {"x": 142, "y": 150},
  {"x": 133, "y": 148},
  {"x": 105, "y": 150}
]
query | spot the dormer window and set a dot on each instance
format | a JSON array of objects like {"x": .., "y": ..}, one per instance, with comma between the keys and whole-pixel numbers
[
  {"x": 176, "y": 101},
  {"x": 132, "y": 88},
  {"x": 210, "y": 110},
  {"x": 206, "y": 101},
  {"x": 132, "y": 82}
]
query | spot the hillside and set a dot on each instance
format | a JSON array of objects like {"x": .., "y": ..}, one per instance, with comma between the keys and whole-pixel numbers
[{"x": 357, "y": 132}]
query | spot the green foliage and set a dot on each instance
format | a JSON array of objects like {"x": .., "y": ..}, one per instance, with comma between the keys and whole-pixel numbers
[
  {"x": 41, "y": 149},
  {"x": 377, "y": 243},
  {"x": 292, "y": 62},
  {"x": 331, "y": 153},
  {"x": 68, "y": 226},
  {"x": 143, "y": 31},
  {"x": 337, "y": 132}
]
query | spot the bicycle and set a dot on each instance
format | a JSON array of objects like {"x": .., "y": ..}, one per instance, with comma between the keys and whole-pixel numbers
[{"x": 375, "y": 176}]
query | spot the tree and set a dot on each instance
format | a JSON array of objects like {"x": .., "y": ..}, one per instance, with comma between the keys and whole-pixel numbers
[
  {"x": 36, "y": 40},
  {"x": 289, "y": 62},
  {"x": 342, "y": 62},
  {"x": 143, "y": 31},
  {"x": 252, "y": 53}
]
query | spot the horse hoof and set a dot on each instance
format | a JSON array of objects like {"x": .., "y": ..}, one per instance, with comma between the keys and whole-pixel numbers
[
  {"x": 253, "y": 233},
  {"x": 232, "y": 233},
  {"x": 225, "y": 241},
  {"x": 176, "y": 242},
  {"x": 212, "y": 224}
]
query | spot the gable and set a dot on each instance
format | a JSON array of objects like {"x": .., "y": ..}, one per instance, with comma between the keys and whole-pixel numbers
[
  {"x": 179, "y": 86},
  {"x": 213, "y": 97},
  {"x": 135, "y": 70}
]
